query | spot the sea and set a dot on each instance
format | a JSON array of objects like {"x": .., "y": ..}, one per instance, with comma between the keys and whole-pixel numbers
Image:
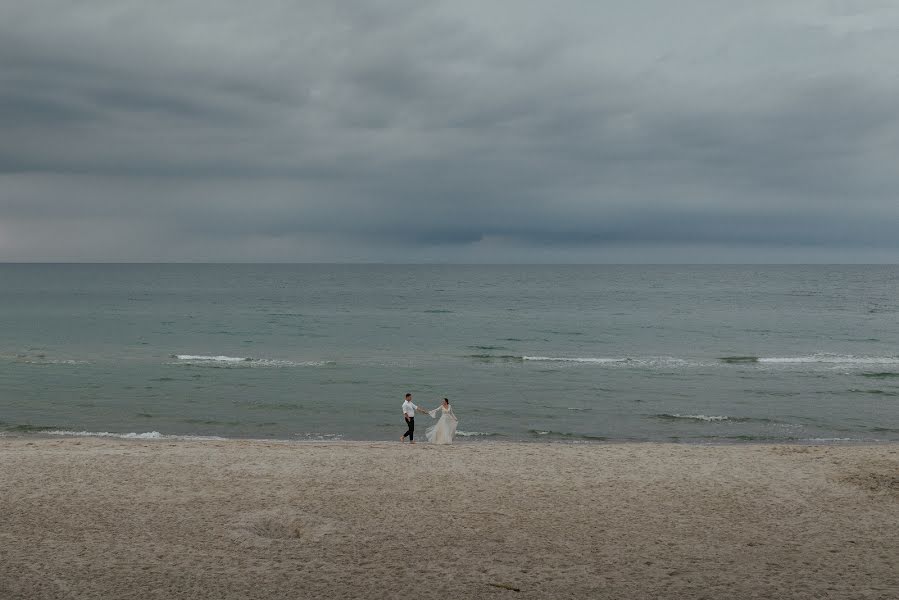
[{"x": 573, "y": 353}]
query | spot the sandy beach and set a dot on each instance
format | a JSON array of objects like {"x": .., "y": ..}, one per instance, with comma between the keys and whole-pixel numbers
[{"x": 101, "y": 518}]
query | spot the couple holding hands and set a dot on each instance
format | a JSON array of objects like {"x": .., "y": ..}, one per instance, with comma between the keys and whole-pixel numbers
[{"x": 440, "y": 433}]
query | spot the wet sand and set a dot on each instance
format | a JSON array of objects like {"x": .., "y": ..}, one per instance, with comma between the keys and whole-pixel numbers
[{"x": 99, "y": 518}]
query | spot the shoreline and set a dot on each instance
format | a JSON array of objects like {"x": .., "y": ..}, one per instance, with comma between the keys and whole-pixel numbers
[
  {"x": 460, "y": 440},
  {"x": 163, "y": 518}
]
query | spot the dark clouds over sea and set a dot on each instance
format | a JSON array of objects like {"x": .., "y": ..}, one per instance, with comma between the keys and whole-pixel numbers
[{"x": 449, "y": 131}]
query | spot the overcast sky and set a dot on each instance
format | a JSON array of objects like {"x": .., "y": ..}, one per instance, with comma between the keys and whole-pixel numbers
[{"x": 453, "y": 131}]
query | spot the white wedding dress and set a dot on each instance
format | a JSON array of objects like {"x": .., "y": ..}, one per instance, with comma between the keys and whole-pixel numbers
[{"x": 444, "y": 430}]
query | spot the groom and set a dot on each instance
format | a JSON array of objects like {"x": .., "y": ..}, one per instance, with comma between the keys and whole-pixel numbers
[{"x": 409, "y": 411}]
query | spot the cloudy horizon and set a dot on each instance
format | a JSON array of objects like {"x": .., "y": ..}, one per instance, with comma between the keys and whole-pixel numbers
[{"x": 420, "y": 131}]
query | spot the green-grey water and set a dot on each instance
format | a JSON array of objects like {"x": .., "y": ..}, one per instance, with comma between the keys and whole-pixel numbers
[{"x": 690, "y": 353}]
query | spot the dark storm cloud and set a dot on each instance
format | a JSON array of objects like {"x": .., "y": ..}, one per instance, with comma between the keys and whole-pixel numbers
[{"x": 447, "y": 131}]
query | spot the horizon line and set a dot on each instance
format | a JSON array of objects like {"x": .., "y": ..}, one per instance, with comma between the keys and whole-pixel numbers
[{"x": 453, "y": 264}]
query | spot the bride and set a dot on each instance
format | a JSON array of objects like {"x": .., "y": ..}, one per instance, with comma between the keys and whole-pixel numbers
[{"x": 445, "y": 429}]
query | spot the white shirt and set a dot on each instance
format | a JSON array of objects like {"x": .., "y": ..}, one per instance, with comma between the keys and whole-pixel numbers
[{"x": 409, "y": 408}]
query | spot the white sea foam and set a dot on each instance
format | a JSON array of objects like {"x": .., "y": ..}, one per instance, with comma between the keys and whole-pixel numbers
[
  {"x": 646, "y": 362},
  {"x": 670, "y": 361},
  {"x": 840, "y": 359},
  {"x": 574, "y": 359},
  {"x": 708, "y": 418},
  {"x": 147, "y": 435},
  {"x": 321, "y": 436},
  {"x": 703, "y": 417},
  {"x": 201, "y": 358},
  {"x": 246, "y": 361},
  {"x": 473, "y": 433},
  {"x": 263, "y": 362},
  {"x": 50, "y": 361}
]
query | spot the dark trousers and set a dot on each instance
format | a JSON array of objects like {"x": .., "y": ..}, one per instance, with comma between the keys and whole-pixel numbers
[{"x": 410, "y": 421}]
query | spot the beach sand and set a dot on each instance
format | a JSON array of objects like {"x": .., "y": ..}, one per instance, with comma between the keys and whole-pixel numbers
[{"x": 109, "y": 518}]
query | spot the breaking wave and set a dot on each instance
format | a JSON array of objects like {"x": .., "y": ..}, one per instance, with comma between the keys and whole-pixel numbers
[
  {"x": 238, "y": 361},
  {"x": 822, "y": 358},
  {"x": 706, "y": 418},
  {"x": 559, "y": 435},
  {"x": 41, "y": 359},
  {"x": 477, "y": 434},
  {"x": 662, "y": 362},
  {"x": 200, "y": 358},
  {"x": 713, "y": 418},
  {"x": 147, "y": 435},
  {"x": 574, "y": 359},
  {"x": 320, "y": 437}
]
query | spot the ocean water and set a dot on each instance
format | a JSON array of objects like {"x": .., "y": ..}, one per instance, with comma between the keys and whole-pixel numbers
[{"x": 576, "y": 353}]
